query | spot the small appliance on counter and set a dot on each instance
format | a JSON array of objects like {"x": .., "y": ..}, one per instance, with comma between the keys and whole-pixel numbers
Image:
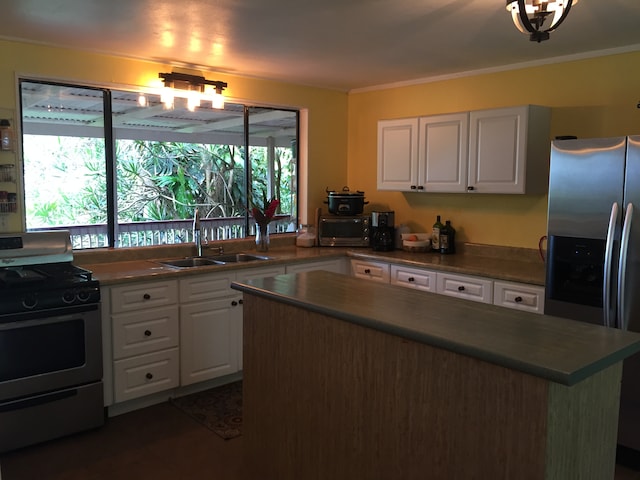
[
  {"x": 383, "y": 231},
  {"x": 344, "y": 230}
]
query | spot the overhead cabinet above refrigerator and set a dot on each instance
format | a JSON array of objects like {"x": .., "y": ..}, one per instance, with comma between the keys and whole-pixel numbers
[{"x": 502, "y": 150}]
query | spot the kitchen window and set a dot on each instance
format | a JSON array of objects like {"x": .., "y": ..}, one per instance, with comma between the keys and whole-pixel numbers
[{"x": 118, "y": 169}]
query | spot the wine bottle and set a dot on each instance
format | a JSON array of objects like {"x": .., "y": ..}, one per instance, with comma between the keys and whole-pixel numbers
[
  {"x": 447, "y": 238},
  {"x": 435, "y": 235}
]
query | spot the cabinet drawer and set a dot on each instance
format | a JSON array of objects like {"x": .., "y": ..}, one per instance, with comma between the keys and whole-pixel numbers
[
  {"x": 519, "y": 296},
  {"x": 143, "y": 295},
  {"x": 413, "y": 278},
  {"x": 462, "y": 286},
  {"x": 336, "y": 266},
  {"x": 251, "y": 273},
  {"x": 205, "y": 287},
  {"x": 378, "y": 272},
  {"x": 146, "y": 374},
  {"x": 136, "y": 333}
]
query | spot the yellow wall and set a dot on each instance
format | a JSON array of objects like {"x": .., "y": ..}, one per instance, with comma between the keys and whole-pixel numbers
[
  {"x": 327, "y": 109},
  {"x": 589, "y": 98}
]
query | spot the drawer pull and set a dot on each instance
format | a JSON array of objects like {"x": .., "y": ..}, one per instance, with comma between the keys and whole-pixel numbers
[
  {"x": 461, "y": 288},
  {"x": 149, "y": 376},
  {"x": 234, "y": 303},
  {"x": 367, "y": 271},
  {"x": 147, "y": 333},
  {"x": 518, "y": 299},
  {"x": 411, "y": 279},
  {"x": 146, "y": 296},
  {"x": 240, "y": 301}
]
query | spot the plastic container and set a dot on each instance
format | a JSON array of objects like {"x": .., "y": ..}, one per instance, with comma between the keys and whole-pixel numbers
[
  {"x": 6, "y": 135},
  {"x": 306, "y": 236}
]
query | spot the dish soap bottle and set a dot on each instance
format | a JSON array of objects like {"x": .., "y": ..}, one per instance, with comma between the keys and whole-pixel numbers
[{"x": 435, "y": 234}]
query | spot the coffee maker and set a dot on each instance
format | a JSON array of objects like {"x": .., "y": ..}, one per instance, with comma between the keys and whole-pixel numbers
[{"x": 383, "y": 231}]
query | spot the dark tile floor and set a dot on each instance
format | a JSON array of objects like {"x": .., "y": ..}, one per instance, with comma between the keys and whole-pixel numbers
[{"x": 159, "y": 443}]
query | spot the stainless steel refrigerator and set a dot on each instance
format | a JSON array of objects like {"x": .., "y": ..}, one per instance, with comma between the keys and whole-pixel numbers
[{"x": 593, "y": 248}]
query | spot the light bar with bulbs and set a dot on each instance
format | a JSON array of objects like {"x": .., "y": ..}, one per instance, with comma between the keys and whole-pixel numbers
[{"x": 193, "y": 88}]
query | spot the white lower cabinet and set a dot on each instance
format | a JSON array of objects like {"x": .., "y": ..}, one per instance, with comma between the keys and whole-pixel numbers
[
  {"x": 417, "y": 278},
  {"x": 144, "y": 319},
  {"x": 146, "y": 374},
  {"x": 467, "y": 287},
  {"x": 336, "y": 265},
  {"x": 520, "y": 296},
  {"x": 208, "y": 333},
  {"x": 376, "y": 271}
]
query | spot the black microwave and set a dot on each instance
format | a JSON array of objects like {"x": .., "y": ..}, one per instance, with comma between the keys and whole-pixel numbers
[{"x": 344, "y": 230}]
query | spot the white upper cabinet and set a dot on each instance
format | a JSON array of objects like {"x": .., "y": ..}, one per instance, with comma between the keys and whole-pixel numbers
[
  {"x": 397, "y": 154},
  {"x": 442, "y": 153},
  {"x": 488, "y": 151},
  {"x": 509, "y": 150}
]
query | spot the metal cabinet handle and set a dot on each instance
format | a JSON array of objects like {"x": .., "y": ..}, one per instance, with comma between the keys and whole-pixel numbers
[
  {"x": 149, "y": 376},
  {"x": 240, "y": 301},
  {"x": 461, "y": 288},
  {"x": 518, "y": 299},
  {"x": 147, "y": 333},
  {"x": 470, "y": 188},
  {"x": 411, "y": 279},
  {"x": 146, "y": 296},
  {"x": 420, "y": 187},
  {"x": 413, "y": 187},
  {"x": 234, "y": 303},
  {"x": 367, "y": 271}
]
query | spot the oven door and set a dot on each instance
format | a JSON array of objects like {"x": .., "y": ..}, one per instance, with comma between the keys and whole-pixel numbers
[{"x": 49, "y": 350}]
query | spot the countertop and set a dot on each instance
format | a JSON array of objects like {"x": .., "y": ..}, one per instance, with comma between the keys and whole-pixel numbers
[
  {"x": 501, "y": 263},
  {"x": 560, "y": 350}
]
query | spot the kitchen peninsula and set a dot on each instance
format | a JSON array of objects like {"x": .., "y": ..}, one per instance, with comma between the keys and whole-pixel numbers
[{"x": 348, "y": 379}]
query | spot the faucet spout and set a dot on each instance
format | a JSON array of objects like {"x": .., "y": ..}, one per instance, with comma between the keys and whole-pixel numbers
[{"x": 197, "y": 232}]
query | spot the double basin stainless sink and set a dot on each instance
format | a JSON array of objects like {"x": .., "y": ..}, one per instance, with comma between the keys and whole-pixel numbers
[{"x": 223, "y": 259}]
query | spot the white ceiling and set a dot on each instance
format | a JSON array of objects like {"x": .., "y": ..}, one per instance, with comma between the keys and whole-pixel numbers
[{"x": 337, "y": 44}]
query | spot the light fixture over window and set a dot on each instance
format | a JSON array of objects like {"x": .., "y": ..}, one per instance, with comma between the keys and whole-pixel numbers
[
  {"x": 539, "y": 17},
  {"x": 194, "y": 88}
]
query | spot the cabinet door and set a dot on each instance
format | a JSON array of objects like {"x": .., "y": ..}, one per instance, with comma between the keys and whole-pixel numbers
[
  {"x": 443, "y": 152},
  {"x": 147, "y": 331},
  {"x": 138, "y": 296},
  {"x": 336, "y": 265},
  {"x": 376, "y": 271},
  {"x": 145, "y": 374},
  {"x": 398, "y": 154},
  {"x": 207, "y": 286},
  {"x": 519, "y": 296},
  {"x": 417, "y": 278},
  {"x": 463, "y": 286},
  {"x": 497, "y": 150},
  {"x": 208, "y": 339}
]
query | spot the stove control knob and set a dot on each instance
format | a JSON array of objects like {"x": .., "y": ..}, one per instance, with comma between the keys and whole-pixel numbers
[
  {"x": 29, "y": 301},
  {"x": 69, "y": 296},
  {"x": 83, "y": 295}
]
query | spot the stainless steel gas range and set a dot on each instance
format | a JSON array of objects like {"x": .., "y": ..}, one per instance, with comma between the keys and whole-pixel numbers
[{"x": 50, "y": 341}]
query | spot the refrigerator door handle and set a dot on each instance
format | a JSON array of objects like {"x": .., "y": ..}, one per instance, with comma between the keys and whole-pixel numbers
[
  {"x": 608, "y": 256},
  {"x": 622, "y": 266}
]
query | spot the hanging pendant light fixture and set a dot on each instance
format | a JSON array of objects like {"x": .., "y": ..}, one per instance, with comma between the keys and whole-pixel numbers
[
  {"x": 539, "y": 17},
  {"x": 194, "y": 88}
]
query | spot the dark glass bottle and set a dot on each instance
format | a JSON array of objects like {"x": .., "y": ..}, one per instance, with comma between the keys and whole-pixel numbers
[
  {"x": 435, "y": 235},
  {"x": 447, "y": 238}
]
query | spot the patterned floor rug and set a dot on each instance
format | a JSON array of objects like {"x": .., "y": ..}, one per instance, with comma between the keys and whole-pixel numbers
[{"x": 219, "y": 409}]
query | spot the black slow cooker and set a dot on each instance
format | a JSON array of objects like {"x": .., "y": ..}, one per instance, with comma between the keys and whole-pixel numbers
[{"x": 345, "y": 202}]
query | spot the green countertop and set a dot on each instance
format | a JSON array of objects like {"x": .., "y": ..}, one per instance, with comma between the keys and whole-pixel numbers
[{"x": 556, "y": 349}]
